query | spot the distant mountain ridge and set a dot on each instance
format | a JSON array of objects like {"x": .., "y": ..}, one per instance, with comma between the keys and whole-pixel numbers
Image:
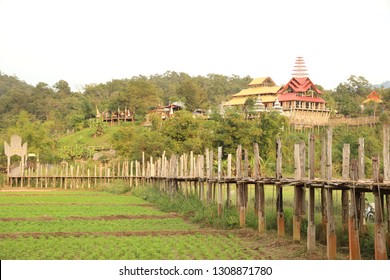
[{"x": 384, "y": 85}]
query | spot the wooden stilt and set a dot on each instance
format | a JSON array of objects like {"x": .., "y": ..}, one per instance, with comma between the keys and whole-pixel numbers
[
  {"x": 261, "y": 207},
  {"x": 380, "y": 232},
  {"x": 388, "y": 219},
  {"x": 219, "y": 178},
  {"x": 331, "y": 230},
  {"x": 279, "y": 211},
  {"x": 311, "y": 226},
  {"x": 353, "y": 228},
  {"x": 241, "y": 192},
  {"x": 279, "y": 191}
]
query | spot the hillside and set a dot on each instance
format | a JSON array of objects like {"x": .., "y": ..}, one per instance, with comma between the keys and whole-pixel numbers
[{"x": 85, "y": 136}]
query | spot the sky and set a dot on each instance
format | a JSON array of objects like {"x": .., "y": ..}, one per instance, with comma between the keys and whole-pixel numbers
[{"x": 95, "y": 41}]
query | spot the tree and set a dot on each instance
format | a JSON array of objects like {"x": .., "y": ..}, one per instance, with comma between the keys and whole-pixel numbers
[
  {"x": 35, "y": 133},
  {"x": 193, "y": 96},
  {"x": 350, "y": 95},
  {"x": 62, "y": 86}
]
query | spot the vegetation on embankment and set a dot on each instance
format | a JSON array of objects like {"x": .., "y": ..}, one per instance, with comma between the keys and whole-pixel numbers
[{"x": 206, "y": 215}]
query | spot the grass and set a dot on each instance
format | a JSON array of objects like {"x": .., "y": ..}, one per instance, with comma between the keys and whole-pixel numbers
[
  {"x": 47, "y": 215},
  {"x": 87, "y": 135},
  {"x": 117, "y": 225},
  {"x": 61, "y": 211},
  {"x": 198, "y": 246},
  {"x": 206, "y": 214},
  {"x": 68, "y": 198}
]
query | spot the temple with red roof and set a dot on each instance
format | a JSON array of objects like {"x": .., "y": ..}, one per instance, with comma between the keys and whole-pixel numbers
[{"x": 299, "y": 99}]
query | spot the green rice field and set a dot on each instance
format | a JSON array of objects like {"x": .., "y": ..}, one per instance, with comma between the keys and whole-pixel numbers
[{"x": 91, "y": 225}]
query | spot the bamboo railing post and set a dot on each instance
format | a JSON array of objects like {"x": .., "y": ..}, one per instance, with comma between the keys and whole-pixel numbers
[
  {"x": 279, "y": 190},
  {"x": 201, "y": 177},
  {"x": 77, "y": 176},
  {"x": 246, "y": 175},
  {"x": 219, "y": 181},
  {"x": 259, "y": 192},
  {"x": 210, "y": 177},
  {"x": 380, "y": 232},
  {"x": 298, "y": 193},
  {"x": 344, "y": 192},
  {"x": 386, "y": 156},
  {"x": 132, "y": 173},
  {"x": 311, "y": 227},
  {"x": 331, "y": 229},
  {"x": 208, "y": 194},
  {"x": 240, "y": 186},
  {"x": 191, "y": 175},
  {"x": 88, "y": 179},
  {"x": 229, "y": 175},
  {"x": 361, "y": 158},
  {"x": 388, "y": 219}
]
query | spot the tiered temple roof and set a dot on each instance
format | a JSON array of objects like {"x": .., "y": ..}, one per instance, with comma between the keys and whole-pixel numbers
[
  {"x": 300, "y": 89},
  {"x": 265, "y": 87}
]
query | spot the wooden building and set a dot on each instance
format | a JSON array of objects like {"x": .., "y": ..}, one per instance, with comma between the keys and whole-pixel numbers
[
  {"x": 299, "y": 100},
  {"x": 115, "y": 117},
  {"x": 264, "y": 87},
  {"x": 301, "y": 103}
]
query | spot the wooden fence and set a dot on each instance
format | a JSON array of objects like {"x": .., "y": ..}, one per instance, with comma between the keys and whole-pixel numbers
[{"x": 206, "y": 174}]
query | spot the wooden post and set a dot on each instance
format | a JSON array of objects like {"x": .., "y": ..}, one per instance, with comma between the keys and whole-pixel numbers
[
  {"x": 331, "y": 230},
  {"x": 257, "y": 176},
  {"x": 240, "y": 186},
  {"x": 201, "y": 176},
  {"x": 229, "y": 175},
  {"x": 259, "y": 191},
  {"x": 71, "y": 177},
  {"x": 328, "y": 169},
  {"x": 386, "y": 157},
  {"x": 89, "y": 178},
  {"x": 219, "y": 181},
  {"x": 311, "y": 227},
  {"x": 246, "y": 174},
  {"x": 361, "y": 158},
  {"x": 344, "y": 192},
  {"x": 279, "y": 191},
  {"x": 297, "y": 221},
  {"x": 279, "y": 210},
  {"x": 380, "y": 232},
  {"x": 77, "y": 176},
  {"x": 353, "y": 228},
  {"x": 388, "y": 218}
]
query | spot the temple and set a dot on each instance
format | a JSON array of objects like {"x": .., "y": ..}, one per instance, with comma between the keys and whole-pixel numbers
[
  {"x": 299, "y": 100},
  {"x": 265, "y": 88}
]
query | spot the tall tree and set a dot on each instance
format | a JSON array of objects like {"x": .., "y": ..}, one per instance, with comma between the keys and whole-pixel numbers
[
  {"x": 193, "y": 96},
  {"x": 62, "y": 86}
]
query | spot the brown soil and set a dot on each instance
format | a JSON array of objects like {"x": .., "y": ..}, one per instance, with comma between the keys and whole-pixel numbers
[
  {"x": 106, "y": 218},
  {"x": 84, "y": 204}
]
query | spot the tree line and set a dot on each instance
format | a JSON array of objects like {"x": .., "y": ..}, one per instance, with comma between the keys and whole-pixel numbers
[{"x": 41, "y": 114}]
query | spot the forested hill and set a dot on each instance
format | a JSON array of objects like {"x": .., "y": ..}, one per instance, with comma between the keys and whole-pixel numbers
[
  {"x": 42, "y": 114},
  {"x": 69, "y": 110}
]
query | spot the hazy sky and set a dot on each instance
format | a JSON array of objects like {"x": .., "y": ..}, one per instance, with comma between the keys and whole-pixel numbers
[{"x": 85, "y": 42}]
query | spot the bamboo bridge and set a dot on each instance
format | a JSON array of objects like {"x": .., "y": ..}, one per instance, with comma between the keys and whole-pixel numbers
[{"x": 209, "y": 176}]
